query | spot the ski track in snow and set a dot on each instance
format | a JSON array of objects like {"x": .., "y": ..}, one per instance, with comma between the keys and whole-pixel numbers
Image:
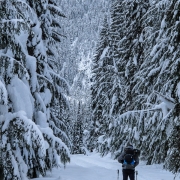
[{"x": 93, "y": 167}]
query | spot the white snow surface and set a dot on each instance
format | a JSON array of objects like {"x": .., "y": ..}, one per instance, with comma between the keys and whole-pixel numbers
[
  {"x": 94, "y": 167},
  {"x": 21, "y": 97}
]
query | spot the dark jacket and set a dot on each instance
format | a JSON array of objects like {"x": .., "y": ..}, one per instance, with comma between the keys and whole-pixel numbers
[{"x": 128, "y": 166}]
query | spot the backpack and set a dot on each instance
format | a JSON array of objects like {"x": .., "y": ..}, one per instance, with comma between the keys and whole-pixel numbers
[
  {"x": 136, "y": 153},
  {"x": 129, "y": 157}
]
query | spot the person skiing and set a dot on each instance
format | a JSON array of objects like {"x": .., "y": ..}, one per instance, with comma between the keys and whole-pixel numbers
[{"x": 129, "y": 161}]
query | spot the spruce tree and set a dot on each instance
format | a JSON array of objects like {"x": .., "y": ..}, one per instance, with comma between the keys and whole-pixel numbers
[
  {"x": 78, "y": 133},
  {"x": 100, "y": 82},
  {"x": 32, "y": 85},
  {"x": 123, "y": 57}
]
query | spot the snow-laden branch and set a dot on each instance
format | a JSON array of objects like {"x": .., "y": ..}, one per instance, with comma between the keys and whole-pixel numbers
[
  {"x": 11, "y": 65},
  {"x": 60, "y": 81},
  {"x": 20, "y": 134},
  {"x": 61, "y": 134},
  {"x": 24, "y": 7},
  {"x": 56, "y": 10},
  {"x": 144, "y": 111},
  {"x": 167, "y": 100}
]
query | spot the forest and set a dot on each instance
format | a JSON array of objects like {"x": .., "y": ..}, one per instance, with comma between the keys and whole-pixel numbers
[{"x": 78, "y": 76}]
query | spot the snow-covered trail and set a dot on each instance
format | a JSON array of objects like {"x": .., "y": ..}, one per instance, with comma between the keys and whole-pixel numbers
[{"x": 93, "y": 167}]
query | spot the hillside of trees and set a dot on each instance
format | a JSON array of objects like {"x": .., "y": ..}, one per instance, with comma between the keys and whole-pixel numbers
[
  {"x": 78, "y": 76},
  {"x": 136, "y": 81}
]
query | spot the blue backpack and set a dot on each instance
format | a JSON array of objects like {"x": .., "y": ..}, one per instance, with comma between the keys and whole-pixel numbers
[{"x": 129, "y": 157}]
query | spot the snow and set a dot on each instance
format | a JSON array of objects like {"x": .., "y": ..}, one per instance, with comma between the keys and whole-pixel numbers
[
  {"x": 136, "y": 133},
  {"x": 162, "y": 106},
  {"x": 20, "y": 96},
  {"x": 114, "y": 99},
  {"x": 93, "y": 167},
  {"x": 141, "y": 38},
  {"x": 153, "y": 52},
  {"x": 74, "y": 42},
  {"x": 55, "y": 140},
  {"x": 85, "y": 65},
  {"x": 31, "y": 133},
  {"x": 154, "y": 71},
  {"x": 41, "y": 119},
  {"x": 168, "y": 101},
  {"x": 178, "y": 91},
  {"x": 163, "y": 24},
  {"x": 104, "y": 52},
  {"x": 31, "y": 65},
  {"x": 101, "y": 139},
  {"x": 3, "y": 92},
  {"x": 46, "y": 96}
]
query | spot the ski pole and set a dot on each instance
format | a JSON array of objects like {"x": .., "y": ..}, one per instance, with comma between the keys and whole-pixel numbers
[
  {"x": 136, "y": 174},
  {"x": 118, "y": 174}
]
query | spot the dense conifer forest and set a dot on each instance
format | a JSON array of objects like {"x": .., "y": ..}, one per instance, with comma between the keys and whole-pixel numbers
[{"x": 83, "y": 75}]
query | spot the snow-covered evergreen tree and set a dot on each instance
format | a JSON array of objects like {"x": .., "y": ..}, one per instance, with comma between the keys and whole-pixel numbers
[
  {"x": 30, "y": 83},
  {"x": 145, "y": 49},
  {"x": 100, "y": 82},
  {"x": 51, "y": 103},
  {"x": 122, "y": 57},
  {"x": 78, "y": 49},
  {"x": 165, "y": 55},
  {"x": 15, "y": 77},
  {"x": 78, "y": 147}
]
